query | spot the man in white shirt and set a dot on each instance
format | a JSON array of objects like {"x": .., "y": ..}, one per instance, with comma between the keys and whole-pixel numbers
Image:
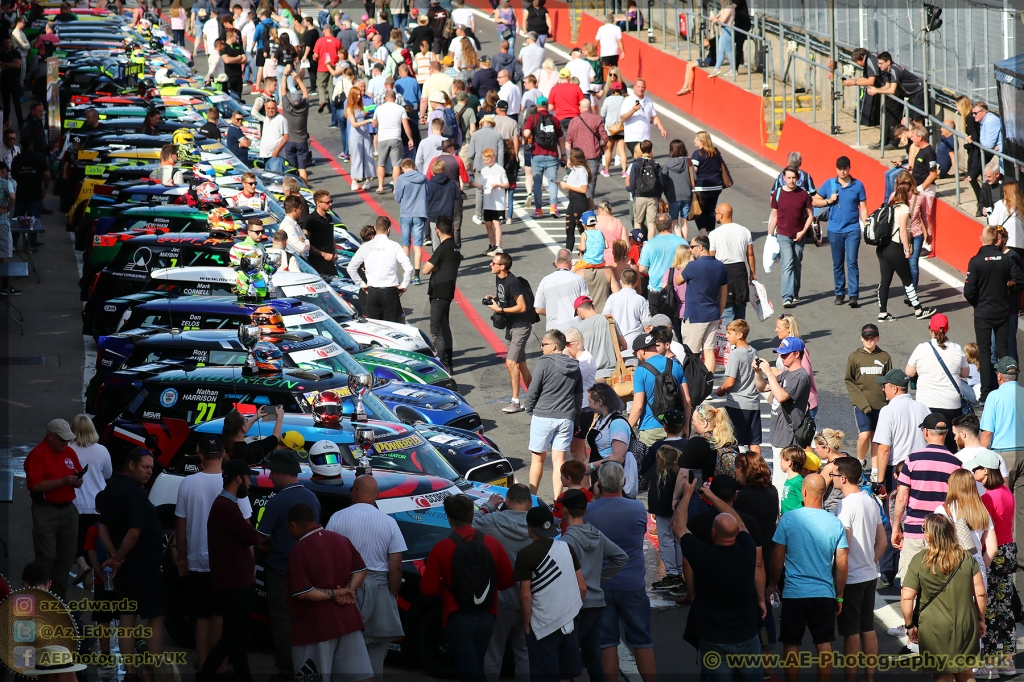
[
  {"x": 581, "y": 69},
  {"x": 532, "y": 55},
  {"x": 273, "y": 139},
  {"x": 732, "y": 245},
  {"x": 377, "y": 538},
  {"x": 509, "y": 92},
  {"x": 391, "y": 120},
  {"x": 249, "y": 196},
  {"x": 637, "y": 114},
  {"x": 463, "y": 16},
  {"x": 211, "y": 31},
  {"x": 455, "y": 46},
  {"x": 628, "y": 309},
  {"x": 296, "y": 237},
  {"x": 557, "y": 291},
  {"x": 383, "y": 289},
  {"x": 195, "y": 499},
  {"x": 609, "y": 38},
  {"x": 214, "y": 64}
]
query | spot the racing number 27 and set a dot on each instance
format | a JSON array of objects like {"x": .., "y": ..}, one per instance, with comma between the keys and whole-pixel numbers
[{"x": 204, "y": 412}]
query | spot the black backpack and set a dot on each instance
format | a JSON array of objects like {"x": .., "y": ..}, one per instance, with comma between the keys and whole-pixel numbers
[
  {"x": 699, "y": 381},
  {"x": 667, "y": 393},
  {"x": 474, "y": 577},
  {"x": 531, "y": 311},
  {"x": 668, "y": 300},
  {"x": 878, "y": 229},
  {"x": 544, "y": 134},
  {"x": 648, "y": 178}
]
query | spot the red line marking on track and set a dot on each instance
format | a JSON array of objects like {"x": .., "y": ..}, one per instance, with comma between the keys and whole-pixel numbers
[{"x": 460, "y": 299}]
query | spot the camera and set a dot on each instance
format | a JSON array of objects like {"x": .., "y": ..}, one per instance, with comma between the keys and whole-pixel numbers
[{"x": 488, "y": 300}]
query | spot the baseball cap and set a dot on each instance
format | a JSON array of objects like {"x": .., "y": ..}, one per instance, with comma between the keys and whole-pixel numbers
[
  {"x": 580, "y": 300},
  {"x": 293, "y": 440},
  {"x": 564, "y": 73},
  {"x": 643, "y": 341},
  {"x": 869, "y": 331},
  {"x": 985, "y": 459},
  {"x": 616, "y": 86},
  {"x": 574, "y": 499},
  {"x": 541, "y": 101},
  {"x": 934, "y": 420},
  {"x": 896, "y": 377},
  {"x": 589, "y": 218},
  {"x": 233, "y": 468},
  {"x": 437, "y": 97},
  {"x": 638, "y": 235},
  {"x": 502, "y": 104},
  {"x": 448, "y": 60},
  {"x": 723, "y": 487},
  {"x": 673, "y": 418},
  {"x": 283, "y": 462},
  {"x": 939, "y": 323},
  {"x": 811, "y": 460},
  {"x": 210, "y": 445},
  {"x": 1007, "y": 365},
  {"x": 843, "y": 162},
  {"x": 542, "y": 522},
  {"x": 61, "y": 429},
  {"x": 790, "y": 344}
]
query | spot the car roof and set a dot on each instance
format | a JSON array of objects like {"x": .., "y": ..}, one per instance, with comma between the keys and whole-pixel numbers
[
  {"x": 193, "y": 239},
  {"x": 222, "y": 304},
  {"x": 227, "y": 339},
  {"x": 172, "y": 210},
  {"x": 289, "y": 379}
]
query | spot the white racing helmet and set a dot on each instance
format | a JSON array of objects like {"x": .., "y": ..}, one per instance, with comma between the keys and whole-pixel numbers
[{"x": 325, "y": 458}]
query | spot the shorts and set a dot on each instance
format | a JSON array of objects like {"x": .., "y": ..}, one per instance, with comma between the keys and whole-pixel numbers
[
  {"x": 612, "y": 60},
  {"x": 818, "y": 614},
  {"x": 631, "y": 609},
  {"x": 204, "y": 601},
  {"x": 584, "y": 420},
  {"x": 911, "y": 548},
  {"x": 858, "y": 614},
  {"x": 678, "y": 209},
  {"x": 296, "y": 153},
  {"x": 339, "y": 660},
  {"x": 616, "y": 137},
  {"x": 145, "y": 587},
  {"x": 746, "y": 425},
  {"x": 389, "y": 150},
  {"x": 101, "y": 595},
  {"x": 547, "y": 433},
  {"x": 527, "y": 159},
  {"x": 698, "y": 336},
  {"x": 261, "y": 59},
  {"x": 517, "y": 338},
  {"x": 412, "y": 231},
  {"x": 555, "y": 652},
  {"x": 492, "y": 214},
  {"x": 865, "y": 422}
]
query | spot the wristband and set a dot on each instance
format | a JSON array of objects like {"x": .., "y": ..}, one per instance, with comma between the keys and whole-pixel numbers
[{"x": 839, "y": 599}]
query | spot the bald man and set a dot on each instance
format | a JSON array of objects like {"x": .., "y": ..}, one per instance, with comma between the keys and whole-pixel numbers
[
  {"x": 806, "y": 542},
  {"x": 376, "y": 537},
  {"x": 728, "y": 620},
  {"x": 732, "y": 244}
]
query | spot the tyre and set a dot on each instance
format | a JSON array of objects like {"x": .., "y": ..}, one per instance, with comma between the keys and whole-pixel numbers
[{"x": 431, "y": 648}]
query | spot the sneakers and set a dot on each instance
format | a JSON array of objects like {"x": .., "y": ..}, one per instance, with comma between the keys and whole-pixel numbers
[
  {"x": 715, "y": 74},
  {"x": 680, "y": 592},
  {"x": 343, "y": 156},
  {"x": 416, "y": 281},
  {"x": 477, "y": 220},
  {"x": 490, "y": 250},
  {"x": 924, "y": 313},
  {"x": 497, "y": 250},
  {"x": 1008, "y": 668},
  {"x": 668, "y": 582},
  {"x": 840, "y": 300},
  {"x": 854, "y": 303},
  {"x": 789, "y": 303},
  {"x": 537, "y": 214},
  {"x": 605, "y": 173},
  {"x": 512, "y": 407},
  {"x": 988, "y": 672},
  {"x": 554, "y": 212},
  {"x": 885, "y": 317},
  {"x": 898, "y": 631},
  {"x": 11, "y": 291},
  {"x": 508, "y": 221},
  {"x": 528, "y": 199},
  {"x": 355, "y": 186}
]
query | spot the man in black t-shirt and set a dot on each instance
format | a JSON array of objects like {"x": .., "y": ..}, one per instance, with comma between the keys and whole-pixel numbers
[
  {"x": 510, "y": 302},
  {"x": 309, "y": 38},
  {"x": 925, "y": 170},
  {"x": 210, "y": 128},
  {"x": 443, "y": 268},
  {"x": 320, "y": 233},
  {"x": 233, "y": 58},
  {"x": 10, "y": 78},
  {"x": 902, "y": 84}
]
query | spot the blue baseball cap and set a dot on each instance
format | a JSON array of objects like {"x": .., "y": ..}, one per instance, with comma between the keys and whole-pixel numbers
[
  {"x": 790, "y": 344},
  {"x": 589, "y": 219}
]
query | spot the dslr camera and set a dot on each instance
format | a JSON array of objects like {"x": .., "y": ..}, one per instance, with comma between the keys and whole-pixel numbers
[{"x": 488, "y": 300}]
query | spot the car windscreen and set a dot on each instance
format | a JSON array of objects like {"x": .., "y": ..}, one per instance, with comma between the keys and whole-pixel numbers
[
  {"x": 320, "y": 322},
  {"x": 213, "y": 358},
  {"x": 407, "y": 452},
  {"x": 323, "y": 297},
  {"x": 331, "y": 357}
]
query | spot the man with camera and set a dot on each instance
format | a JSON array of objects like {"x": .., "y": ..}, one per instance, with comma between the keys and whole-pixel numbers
[
  {"x": 790, "y": 393},
  {"x": 511, "y": 314}
]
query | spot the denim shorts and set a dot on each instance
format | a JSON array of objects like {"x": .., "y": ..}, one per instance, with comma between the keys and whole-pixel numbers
[
  {"x": 412, "y": 231},
  {"x": 677, "y": 209},
  {"x": 631, "y": 608},
  {"x": 865, "y": 422},
  {"x": 547, "y": 433}
]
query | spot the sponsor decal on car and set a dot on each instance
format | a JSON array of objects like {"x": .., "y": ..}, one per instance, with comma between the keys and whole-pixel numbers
[
  {"x": 397, "y": 505},
  {"x": 321, "y": 353},
  {"x": 304, "y": 318},
  {"x": 169, "y": 397}
]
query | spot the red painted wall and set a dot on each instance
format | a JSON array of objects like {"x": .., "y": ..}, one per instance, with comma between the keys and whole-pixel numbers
[{"x": 738, "y": 116}]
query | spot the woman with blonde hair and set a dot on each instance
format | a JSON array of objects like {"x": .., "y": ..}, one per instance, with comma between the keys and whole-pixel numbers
[
  {"x": 943, "y": 601},
  {"x": 613, "y": 231},
  {"x": 682, "y": 258},
  {"x": 178, "y": 19},
  {"x": 972, "y": 130},
  {"x": 360, "y": 143},
  {"x": 421, "y": 61},
  {"x": 1007, "y": 212},
  {"x": 467, "y": 60},
  {"x": 662, "y": 484},
  {"x": 547, "y": 77},
  {"x": 708, "y": 184},
  {"x": 828, "y": 445},
  {"x": 95, "y": 459},
  {"x": 714, "y": 425},
  {"x": 613, "y": 95},
  {"x": 964, "y": 503}
]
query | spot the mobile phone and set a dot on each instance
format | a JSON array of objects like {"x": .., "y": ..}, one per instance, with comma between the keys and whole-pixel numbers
[
  {"x": 270, "y": 412},
  {"x": 81, "y": 473},
  {"x": 696, "y": 475}
]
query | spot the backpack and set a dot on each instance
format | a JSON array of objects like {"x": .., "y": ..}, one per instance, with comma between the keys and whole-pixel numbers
[
  {"x": 451, "y": 126},
  {"x": 668, "y": 300},
  {"x": 878, "y": 229},
  {"x": 636, "y": 448},
  {"x": 474, "y": 577},
  {"x": 648, "y": 178},
  {"x": 531, "y": 311},
  {"x": 544, "y": 134},
  {"x": 667, "y": 393},
  {"x": 699, "y": 380},
  {"x": 449, "y": 29},
  {"x": 261, "y": 36}
]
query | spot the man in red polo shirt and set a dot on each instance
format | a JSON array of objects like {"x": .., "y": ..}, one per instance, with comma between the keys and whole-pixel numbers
[
  {"x": 324, "y": 572},
  {"x": 467, "y": 626},
  {"x": 325, "y": 52},
  {"x": 52, "y": 472},
  {"x": 564, "y": 99}
]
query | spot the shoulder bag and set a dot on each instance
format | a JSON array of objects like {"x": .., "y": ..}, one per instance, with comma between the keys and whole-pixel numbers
[
  {"x": 919, "y": 609},
  {"x": 965, "y": 405},
  {"x": 695, "y": 208},
  {"x": 804, "y": 431},
  {"x": 964, "y": 536},
  {"x": 726, "y": 175}
]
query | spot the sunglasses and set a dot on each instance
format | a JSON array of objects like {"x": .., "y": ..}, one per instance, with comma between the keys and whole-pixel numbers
[{"x": 248, "y": 182}]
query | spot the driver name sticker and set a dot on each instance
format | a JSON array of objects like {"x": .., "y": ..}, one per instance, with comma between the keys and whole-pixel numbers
[
  {"x": 304, "y": 318},
  {"x": 416, "y": 502},
  {"x": 400, "y": 444},
  {"x": 315, "y": 354},
  {"x": 169, "y": 397},
  {"x": 208, "y": 395}
]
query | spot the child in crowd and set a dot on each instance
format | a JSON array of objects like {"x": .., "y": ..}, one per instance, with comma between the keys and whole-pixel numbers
[
  {"x": 279, "y": 250},
  {"x": 573, "y": 473},
  {"x": 659, "y": 503},
  {"x": 494, "y": 178},
  {"x": 973, "y": 379},
  {"x": 742, "y": 401},
  {"x": 792, "y": 462},
  {"x": 591, "y": 243},
  {"x": 411, "y": 195}
]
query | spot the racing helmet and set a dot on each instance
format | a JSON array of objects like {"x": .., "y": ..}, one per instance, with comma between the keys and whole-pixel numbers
[
  {"x": 268, "y": 357},
  {"x": 327, "y": 409},
  {"x": 268, "y": 320},
  {"x": 182, "y": 136},
  {"x": 325, "y": 458},
  {"x": 209, "y": 193},
  {"x": 188, "y": 152},
  {"x": 206, "y": 171},
  {"x": 221, "y": 219}
]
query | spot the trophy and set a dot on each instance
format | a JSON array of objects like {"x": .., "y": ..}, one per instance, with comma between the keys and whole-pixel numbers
[
  {"x": 363, "y": 436},
  {"x": 360, "y": 384},
  {"x": 249, "y": 336}
]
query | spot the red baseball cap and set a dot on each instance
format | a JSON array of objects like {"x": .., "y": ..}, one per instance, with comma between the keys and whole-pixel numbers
[
  {"x": 580, "y": 300},
  {"x": 939, "y": 323}
]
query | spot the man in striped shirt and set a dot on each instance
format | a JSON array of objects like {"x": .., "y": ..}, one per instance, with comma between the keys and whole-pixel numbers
[{"x": 922, "y": 486}]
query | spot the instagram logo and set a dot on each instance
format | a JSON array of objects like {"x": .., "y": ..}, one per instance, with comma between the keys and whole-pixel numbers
[{"x": 24, "y": 605}]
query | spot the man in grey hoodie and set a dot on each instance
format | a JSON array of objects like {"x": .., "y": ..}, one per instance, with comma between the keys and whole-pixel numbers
[
  {"x": 508, "y": 526},
  {"x": 556, "y": 394},
  {"x": 600, "y": 559}
]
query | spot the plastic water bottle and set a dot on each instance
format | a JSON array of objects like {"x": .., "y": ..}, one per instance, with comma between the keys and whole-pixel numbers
[
  {"x": 108, "y": 578},
  {"x": 774, "y": 600}
]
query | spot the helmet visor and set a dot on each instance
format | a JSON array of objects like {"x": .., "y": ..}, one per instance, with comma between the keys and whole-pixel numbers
[
  {"x": 329, "y": 410},
  {"x": 325, "y": 458}
]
